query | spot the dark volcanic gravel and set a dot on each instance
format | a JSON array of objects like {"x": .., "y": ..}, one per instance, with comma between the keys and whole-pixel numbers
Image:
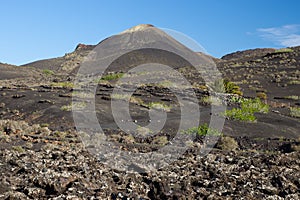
[{"x": 37, "y": 163}]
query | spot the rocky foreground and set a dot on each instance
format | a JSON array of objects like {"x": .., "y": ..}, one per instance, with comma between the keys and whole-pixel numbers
[{"x": 37, "y": 163}]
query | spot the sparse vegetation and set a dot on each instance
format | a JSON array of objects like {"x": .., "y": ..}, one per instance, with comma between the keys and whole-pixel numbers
[
  {"x": 160, "y": 140},
  {"x": 201, "y": 87},
  {"x": 227, "y": 87},
  {"x": 247, "y": 109},
  {"x": 159, "y": 106},
  {"x": 18, "y": 149},
  {"x": 44, "y": 125},
  {"x": 295, "y": 111},
  {"x": 203, "y": 130},
  {"x": 3, "y": 136},
  {"x": 136, "y": 100},
  {"x": 236, "y": 99},
  {"x": 166, "y": 84},
  {"x": 232, "y": 88},
  {"x": 48, "y": 72},
  {"x": 132, "y": 99},
  {"x": 83, "y": 94},
  {"x": 75, "y": 105},
  {"x": 211, "y": 100},
  {"x": 120, "y": 96},
  {"x": 59, "y": 134},
  {"x": 113, "y": 76},
  {"x": 227, "y": 143},
  {"x": 261, "y": 95},
  {"x": 294, "y": 82},
  {"x": 292, "y": 97}
]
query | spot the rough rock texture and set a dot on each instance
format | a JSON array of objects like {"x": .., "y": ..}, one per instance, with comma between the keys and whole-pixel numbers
[{"x": 39, "y": 164}]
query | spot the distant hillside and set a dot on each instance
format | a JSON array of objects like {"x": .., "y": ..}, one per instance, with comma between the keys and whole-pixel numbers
[
  {"x": 248, "y": 53},
  {"x": 66, "y": 63}
]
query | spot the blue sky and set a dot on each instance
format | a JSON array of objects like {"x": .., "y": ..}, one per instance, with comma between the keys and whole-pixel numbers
[{"x": 36, "y": 29}]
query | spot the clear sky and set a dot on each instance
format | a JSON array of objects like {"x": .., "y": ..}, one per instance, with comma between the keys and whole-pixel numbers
[{"x": 36, "y": 29}]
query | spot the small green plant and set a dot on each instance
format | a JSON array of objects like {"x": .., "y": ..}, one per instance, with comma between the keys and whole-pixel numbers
[
  {"x": 62, "y": 85},
  {"x": 295, "y": 111},
  {"x": 294, "y": 82},
  {"x": 128, "y": 139},
  {"x": 218, "y": 86},
  {"x": 203, "y": 130},
  {"x": 48, "y": 72},
  {"x": 66, "y": 108},
  {"x": 159, "y": 106},
  {"x": 136, "y": 100},
  {"x": 292, "y": 97},
  {"x": 160, "y": 140},
  {"x": 44, "y": 125},
  {"x": 227, "y": 87},
  {"x": 166, "y": 84},
  {"x": 127, "y": 97},
  {"x": 211, "y": 100},
  {"x": 18, "y": 149},
  {"x": 240, "y": 115},
  {"x": 83, "y": 94},
  {"x": 4, "y": 137},
  {"x": 228, "y": 144},
  {"x": 261, "y": 95},
  {"x": 75, "y": 105},
  {"x": 236, "y": 99},
  {"x": 247, "y": 109},
  {"x": 59, "y": 134},
  {"x": 232, "y": 88},
  {"x": 113, "y": 76},
  {"x": 120, "y": 96},
  {"x": 201, "y": 87}
]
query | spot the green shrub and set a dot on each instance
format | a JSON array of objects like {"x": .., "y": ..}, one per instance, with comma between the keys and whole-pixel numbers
[
  {"x": 227, "y": 87},
  {"x": 254, "y": 106},
  {"x": 59, "y": 134},
  {"x": 240, "y": 115},
  {"x": 219, "y": 86},
  {"x": 232, "y": 88},
  {"x": 261, "y": 95},
  {"x": 228, "y": 144},
  {"x": 292, "y": 97},
  {"x": 159, "y": 106},
  {"x": 203, "y": 130},
  {"x": 48, "y": 72},
  {"x": 44, "y": 125},
  {"x": 83, "y": 94},
  {"x": 75, "y": 106},
  {"x": 295, "y": 111},
  {"x": 211, "y": 100},
  {"x": 120, "y": 96},
  {"x": 18, "y": 149},
  {"x": 160, "y": 140},
  {"x": 113, "y": 76},
  {"x": 294, "y": 82},
  {"x": 247, "y": 109},
  {"x": 126, "y": 97}
]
